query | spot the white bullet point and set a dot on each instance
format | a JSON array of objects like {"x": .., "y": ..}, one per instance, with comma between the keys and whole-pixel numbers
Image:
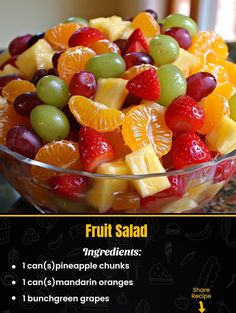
[
  {"x": 13, "y": 282},
  {"x": 13, "y": 267},
  {"x": 13, "y": 298}
]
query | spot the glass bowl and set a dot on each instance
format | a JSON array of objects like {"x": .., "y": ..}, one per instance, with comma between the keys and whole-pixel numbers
[{"x": 117, "y": 194}]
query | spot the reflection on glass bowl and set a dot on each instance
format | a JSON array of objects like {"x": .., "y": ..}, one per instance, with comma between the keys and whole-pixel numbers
[{"x": 117, "y": 194}]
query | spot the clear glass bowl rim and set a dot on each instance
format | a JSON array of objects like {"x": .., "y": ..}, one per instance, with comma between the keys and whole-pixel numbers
[{"x": 190, "y": 169}]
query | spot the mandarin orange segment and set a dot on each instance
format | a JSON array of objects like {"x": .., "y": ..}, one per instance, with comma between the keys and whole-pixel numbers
[
  {"x": 16, "y": 87},
  {"x": 135, "y": 70},
  {"x": 145, "y": 124},
  {"x": 59, "y": 35},
  {"x": 214, "y": 107},
  {"x": 94, "y": 114},
  {"x": 64, "y": 154},
  {"x": 229, "y": 66},
  {"x": 147, "y": 23},
  {"x": 117, "y": 141},
  {"x": 207, "y": 43},
  {"x": 225, "y": 89},
  {"x": 104, "y": 46},
  {"x": 9, "y": 118},
  {"x": 218, "y": 71},
  {"x": 72, "y": 61}
]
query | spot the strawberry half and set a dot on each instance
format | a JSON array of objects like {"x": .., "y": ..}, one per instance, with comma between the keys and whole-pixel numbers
[
  {"x": 69, "y": 186},
  {"x": 145, "y": 85},
  {"x": 175, "y": 192},
  {"x": 184, "y": 114},
  {"x": 139, "y": 40},
  {"x": 189, "y": 149},
  {"x": 84, "y": 36},
  {"x": 135, "y": 46},
  {"x": 94, "y": 149}
]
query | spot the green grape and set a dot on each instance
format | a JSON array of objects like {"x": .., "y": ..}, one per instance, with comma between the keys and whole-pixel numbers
[
  {"x": 164, "y": 49},
  {"x": 106, "y": 65},
  {"x": 53, "y": 90},
  {"x": 76, "y": 19},
  {"x": 232, "y": 106},
  {"x": 173, "y": 83},
  {"x": 180, "y": 20},
  {"x": 49, "y": 122}
]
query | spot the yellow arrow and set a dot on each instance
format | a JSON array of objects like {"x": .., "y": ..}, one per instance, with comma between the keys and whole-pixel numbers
[{"x": 201, "y": 309}]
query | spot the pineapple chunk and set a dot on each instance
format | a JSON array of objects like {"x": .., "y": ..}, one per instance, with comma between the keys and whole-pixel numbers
[
  {"x": 4, "y": 56},
  {"x": 145, "y": 161},
  {"x": 111, "y": 92},
  {"x": 185, "y": 62},
  {"x": 223, "y": 137},
  {"x": 179, "y": 206},
  {"x": 36, "y": 57},
  {"x": 101, "y": 195},
  {"x": 127, "y": 32},
  {"x": 113, "y": 27},
  {"x": 204, "y": 191},
  {"x": 9, "y": 69}
]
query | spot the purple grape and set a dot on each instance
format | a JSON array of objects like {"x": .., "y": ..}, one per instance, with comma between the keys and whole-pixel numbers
[
  {"x": 181, "y": 35},
  {"x": 53, "y": 71},
  {"x": 122, "y": 44},
  {"x": 24, "y": 141},
  {"x": 153, "y": 13},
  {"x": 35, "y": 38},
  {"x": 137, "y": 58},
  {"x": 55, "y": 58},
  {"x": 26, "y": 102},
  {"x": 131, "y": 100},
  {"x": 38, "y": 75}
]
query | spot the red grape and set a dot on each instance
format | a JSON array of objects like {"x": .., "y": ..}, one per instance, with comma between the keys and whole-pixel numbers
[
  {"x": 6, "y": 79},
  {"x": 200, "y": 85},
  {"x": 84, "y": 84},
  {"x": 19, "y": 44},
  {"x": 25, "y": 103},
  {"x": 137, "y": 58},
  {"x": 181, "y": 35},
  {"x": 35, "y": 38},
  {"x": 24, "y": 141}
]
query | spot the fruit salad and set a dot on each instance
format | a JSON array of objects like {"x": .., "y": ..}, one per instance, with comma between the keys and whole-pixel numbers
[{"x": 119, "y": 114}]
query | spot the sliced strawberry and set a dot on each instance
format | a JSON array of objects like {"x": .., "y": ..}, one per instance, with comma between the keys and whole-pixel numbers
[
  {"x": 69, "y": 186},
  {"x": 135, "y": 46},
  {"x": 184, "y": 114},
  {"x": 189, "y": 149},
  {"x": 145, "y": 85},
  {"x": 224, "y": 170},
  {"x": 94, "y": 149},
  {"x": 137, "y": 36},
  {"x": 175, "y": 192},
  {"x": 84, "y": 36}
]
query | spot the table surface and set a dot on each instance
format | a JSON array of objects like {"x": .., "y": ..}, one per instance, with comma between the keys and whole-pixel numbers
[{"x": 12, "y": 203}]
